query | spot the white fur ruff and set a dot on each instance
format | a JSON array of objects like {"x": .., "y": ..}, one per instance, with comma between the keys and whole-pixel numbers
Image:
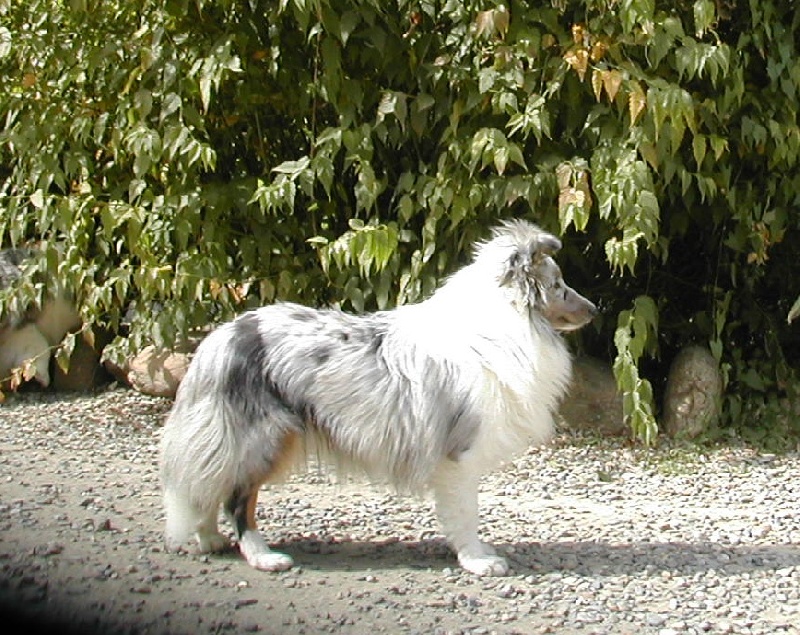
[{"x": 427, "y": 396}]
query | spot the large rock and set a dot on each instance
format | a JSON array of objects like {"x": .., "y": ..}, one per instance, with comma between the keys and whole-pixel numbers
[
  {"x": 693, "y": 397},
  {"x": 593, "y": 403},
  {"x": 154, "y": 372}
]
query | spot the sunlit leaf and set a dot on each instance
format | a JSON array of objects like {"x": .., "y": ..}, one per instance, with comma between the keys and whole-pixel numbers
[
  {"x": 597, "y": 82},
  {"x": 794, "y": 311},
  {"x": 578, "y": 60},
  {"x": 637, "y": 102},
  {"x": 5, "y": 42}
]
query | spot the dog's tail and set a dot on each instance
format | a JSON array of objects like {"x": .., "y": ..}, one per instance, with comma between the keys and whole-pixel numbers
[{"x": 198, "y": 457}]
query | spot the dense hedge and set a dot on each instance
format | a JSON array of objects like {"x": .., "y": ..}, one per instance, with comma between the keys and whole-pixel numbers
[{"x": 181, "y": 160}]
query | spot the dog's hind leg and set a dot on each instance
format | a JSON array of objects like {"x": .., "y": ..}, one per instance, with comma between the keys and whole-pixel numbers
[
  {"x": 185, "y": 520},
  {"x": 456, "y": 494},
  {"x": 241, "y": 510}
]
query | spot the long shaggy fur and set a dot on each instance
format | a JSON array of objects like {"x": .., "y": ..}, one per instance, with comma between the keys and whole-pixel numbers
[{"x": 427, "y": 396}]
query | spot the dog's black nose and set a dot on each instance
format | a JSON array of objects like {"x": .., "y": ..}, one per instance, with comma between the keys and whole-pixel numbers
[{"x": 594, "y": 311}]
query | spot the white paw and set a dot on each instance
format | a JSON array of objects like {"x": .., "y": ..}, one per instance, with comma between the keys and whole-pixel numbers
[
  {"x": 270, "y": 561},
  {"x": 258, "y": 554},
  {"x": 484, "y": 565}
]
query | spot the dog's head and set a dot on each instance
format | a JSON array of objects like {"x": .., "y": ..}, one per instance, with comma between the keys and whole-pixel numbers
[{"x": 536, "y": 279}]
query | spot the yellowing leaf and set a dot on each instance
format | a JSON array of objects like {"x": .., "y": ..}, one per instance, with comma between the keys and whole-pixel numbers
[
  {"x": 578, "y": 34},
  {"x": 29, "y": 369},
  {"x": 16, "y": 379},
  {"x": 598, "y": 52},
  {"x": 501, "y": 20},
  {"x": 612, "y": 80},
  {"x": 566, "y": 197},
  {"x": 563, "y": 175},
  {"x": 491, "y": 22},
  {"x": 484, "y": 23},
  {"x": 215, "y": 288},
  {"x": 636, "y": 102},
  {"x": 582, "y": 185},
  {"x": 578, "y": 59},
  {"x": 597, "y": 82}
]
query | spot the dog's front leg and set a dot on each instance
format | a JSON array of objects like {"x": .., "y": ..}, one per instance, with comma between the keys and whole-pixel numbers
[{"x": 456, "y": 494}]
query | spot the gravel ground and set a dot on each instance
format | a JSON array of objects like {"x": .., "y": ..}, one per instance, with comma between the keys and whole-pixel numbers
[{"x": 603, "y": 538}]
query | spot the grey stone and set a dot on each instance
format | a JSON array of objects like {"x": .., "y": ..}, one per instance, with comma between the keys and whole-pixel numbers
[{"x": 693, "y": 397}]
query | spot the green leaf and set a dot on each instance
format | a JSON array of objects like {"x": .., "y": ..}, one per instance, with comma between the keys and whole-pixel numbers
[
  {"x": 170, "y": 104},
  {"x": 633, "y": 12},
  {"x": 636, "y": 332},
  {"x": 64, "y": 351},
  {"x": 704, "y": 16},
  {"x": 293, "y": 168},
  {"x": 486, "y": 79},
  {"x": 348, "y": 23},
  {"x": 205, "y": 91},
  {"x": 501, "y": 159},
  {"x": 424, "y": 101}
]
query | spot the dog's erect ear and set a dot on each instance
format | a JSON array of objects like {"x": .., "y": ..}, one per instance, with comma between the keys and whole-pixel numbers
[{"x": 547, "y": 244}]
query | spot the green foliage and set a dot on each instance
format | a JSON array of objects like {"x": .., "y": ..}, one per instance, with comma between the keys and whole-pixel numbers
[
  {"x": 637, "y": 333},
  {"x": 181, "y": 160}
]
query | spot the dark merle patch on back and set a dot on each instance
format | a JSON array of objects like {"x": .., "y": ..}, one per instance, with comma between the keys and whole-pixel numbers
[
  {"x": 247, "y": 354},
  {"x": 247, "y": 384}
]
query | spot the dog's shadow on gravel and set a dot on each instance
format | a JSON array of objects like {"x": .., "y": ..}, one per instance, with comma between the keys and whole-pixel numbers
[{"x": 582, "y": 558}]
